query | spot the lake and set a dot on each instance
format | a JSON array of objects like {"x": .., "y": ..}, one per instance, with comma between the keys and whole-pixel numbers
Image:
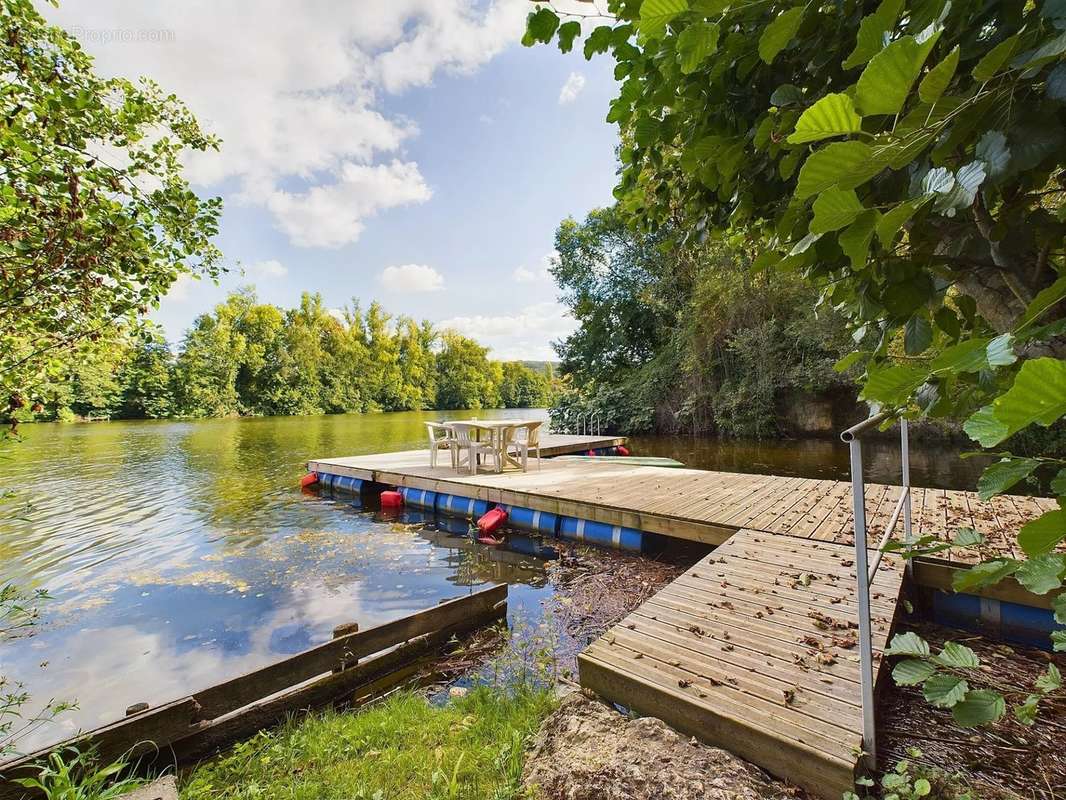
[{"x": 181, "y": 553}]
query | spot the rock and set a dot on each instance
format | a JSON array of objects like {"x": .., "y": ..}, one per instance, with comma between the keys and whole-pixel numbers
[
  {"x": 586, "y": 750},
  {"x": 165, "y": 788},
  {"x": 457, "y": 691}
]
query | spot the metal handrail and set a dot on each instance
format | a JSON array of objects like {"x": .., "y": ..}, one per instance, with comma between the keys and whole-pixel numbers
[{"x": 865, "y": 571}]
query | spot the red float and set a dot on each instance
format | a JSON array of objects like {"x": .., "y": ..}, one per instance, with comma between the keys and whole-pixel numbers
[
  {"x": 391, "y": 500},
  {"x": 491, "y": 521},
  {"x": 622, "y": 450},
  {"x": 310, "y": 479}
]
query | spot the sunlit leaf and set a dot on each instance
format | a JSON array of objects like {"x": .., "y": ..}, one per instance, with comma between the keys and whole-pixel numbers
[
  {"x": 937, "y": 79},
  {"x": 892, "y": 385},
  {"x": 1050, "y": 680},
  {"x": 1004, "y": 474},
  {"x": 1000, "y": 351},
  {"x": 1045, "y": 299},
  {"x": 984, "y": 574},
  {"x": 970, "y": 355},
  {"x": 1038, "y": 396},
  {"x": 656, "y": 14},
  {"x": 695, "y": 43},
  {"x": 872, "y": 29},
  {"x": 894, "y": 219},
  {"x": 833, "y": 115},
  {"x": 1043, "y": 534},
  {"x": 958, "y": 656},
  {"x": 912, "y": 671},
  {"x": 888, "y": 78},
  {"x": 944, "y": 690},
  {"x": 835, "y": 209},
  {"x": 845, "y": 165},
  {"x": 850, "y": 360},
  {"x": 1042, "y": 574},
  {"x": 907, "y": 644}
]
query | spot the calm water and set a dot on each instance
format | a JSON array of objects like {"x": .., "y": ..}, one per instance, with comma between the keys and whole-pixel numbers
[{"x": 182, "y": 553}]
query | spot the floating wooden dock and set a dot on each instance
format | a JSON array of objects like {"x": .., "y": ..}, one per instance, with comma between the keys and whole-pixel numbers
[
  {"x": 754, "y": 649},
  {"x": 699, "y": 505}
]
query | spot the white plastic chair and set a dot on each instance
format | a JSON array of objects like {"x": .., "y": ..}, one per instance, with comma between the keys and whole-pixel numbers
[
  {"x": 526, "y": 440},
  {"x": 465, "y": 440},
  {"x": 440, "y": 438}
]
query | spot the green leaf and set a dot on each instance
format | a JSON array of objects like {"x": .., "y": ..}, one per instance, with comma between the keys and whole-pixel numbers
[
  {"x": 947, "y": 321},
  {"x": 958, "y": 656},
  {"x": 1056, "y": 83},
  {"x": 1000, "y": 351},
  {"x": 599, "y": 41},
  {"x": 540, "y": 26},
  {"x": 968, "y": 537},
  {"x": 944, "y": 690},
  {"x": 845, "y": 165},
  {"x": 695, "y": 43},
  {"x": 994, "y": 59},
  {"x": 1025, "y": 712},
  {"x": 850, "y": 360},
  {"x": 1002, "y": 475},
  {"x": 907, "y": 644},
  {"x": 1050, "y": 680},
  {"x": 993, "y": 151},
  {"x": 1058, "y": 641},
  {"x": 901, "y": 299},
  {"x": 855, "y": 240},
  {"x": 1043, "y": 534},
  {"x": 983, "y": 427},
  {"x": 917, "y": 335},
  {"x": 937, "y": 79},
  {"x": 1044, "y": 300},
  {"x": 887, "y": 80},
  {"x": 984, "y": 574},
  {"x": 922, "y": 787},
  {"x": 872, "y": 29},
  {"x": 979, "y": 707},
  {"x": 656, "y": 14},
  {"x": 892, "y": 385},
  {"x": 892, "y": 221},
  {"x": 646, "y": 131},
  {"x": 835, "y": 209},
  {"x": 568, "y": 31},
  {"x": 912, "y": 671},
  {"x": 1038, "y": 396},
  {"x": 1058, "y": 484},
  {"x": 1042, "y": 574},
  {"x": 779, "y": 33},
  {"x": 786, "y": 95},
  {"x": 970, "y": 355},
  {"x": 833, "y": 115}
]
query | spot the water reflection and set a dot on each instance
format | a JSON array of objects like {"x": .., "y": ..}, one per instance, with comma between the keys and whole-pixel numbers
[{"x": 180, "y": 554}]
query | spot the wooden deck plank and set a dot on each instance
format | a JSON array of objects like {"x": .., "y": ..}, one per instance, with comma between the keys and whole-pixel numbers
[{"x": 712, "y": 653}]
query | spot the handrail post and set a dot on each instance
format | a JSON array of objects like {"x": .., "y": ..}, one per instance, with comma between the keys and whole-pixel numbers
[
  {"x": 905, "y": 478},
  {"x": 862, "y": 585}
]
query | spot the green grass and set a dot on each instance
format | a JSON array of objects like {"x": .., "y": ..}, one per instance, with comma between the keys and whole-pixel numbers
[{"x": 472, "y": 747}]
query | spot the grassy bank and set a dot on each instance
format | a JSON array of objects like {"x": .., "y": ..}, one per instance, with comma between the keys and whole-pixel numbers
[{"x": 403, "y": 748}]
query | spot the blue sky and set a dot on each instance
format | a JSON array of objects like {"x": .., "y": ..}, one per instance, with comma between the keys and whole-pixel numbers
[{"x": 409, "y": 151}]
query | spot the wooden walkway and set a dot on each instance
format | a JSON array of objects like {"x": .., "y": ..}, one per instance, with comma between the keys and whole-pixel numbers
[
  {"x": 701, "y": 505},
  {"x": 753, "y": 649}
]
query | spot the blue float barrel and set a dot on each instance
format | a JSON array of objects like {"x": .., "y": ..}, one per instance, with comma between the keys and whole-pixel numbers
[
  {"x": 420, "y": 498},
  {"x": 340, "y": 483},
  {"x": 600, "y": 533},
  {"x": 457, "y": 506},
  {"x": 530, "y": 520}
]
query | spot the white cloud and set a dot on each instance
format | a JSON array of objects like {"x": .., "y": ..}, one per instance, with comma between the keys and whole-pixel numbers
[
  {"x": 412, "y": 278},
  {"x": 526, "y": 334},
  {"x": 296, "y": 92},
  {"x": 271, "y": 268},
  {"x": 331, "y": 215},
  {"x": 572, "y": 88},
  {"x": 539, "y": 273}
]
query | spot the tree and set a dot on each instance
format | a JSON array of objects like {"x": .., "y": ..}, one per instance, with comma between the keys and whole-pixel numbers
[
  {"x": 907, "y": 158},
  {"x": 96, "y": 218},
  {"x": 465, "y": 376},
  {"x": 521, "y": 387},
  {"x": 145, "y": 378}
]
